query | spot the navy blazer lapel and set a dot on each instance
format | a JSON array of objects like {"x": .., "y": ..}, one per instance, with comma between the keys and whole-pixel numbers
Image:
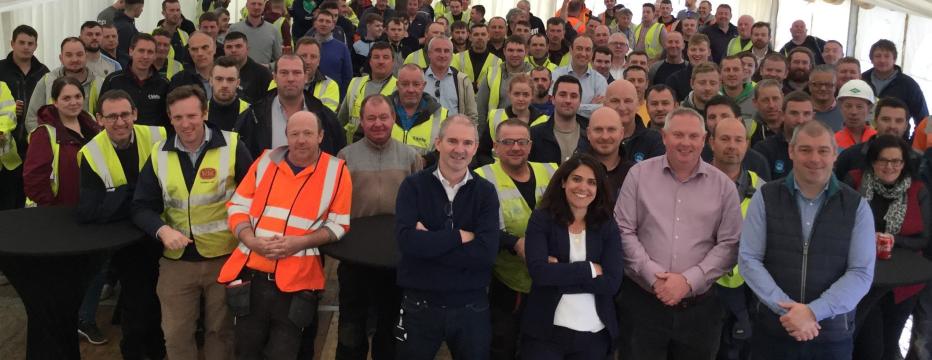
[
  {"x": 593, "y": 243},
  {"x": 562, "y": 237}
]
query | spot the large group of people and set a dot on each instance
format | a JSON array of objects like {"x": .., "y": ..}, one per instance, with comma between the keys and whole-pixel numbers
[{"x": 576, "y": 187}]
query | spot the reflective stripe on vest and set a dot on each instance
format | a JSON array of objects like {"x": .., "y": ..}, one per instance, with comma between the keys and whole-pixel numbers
[
  {"x": 421, "y": 136},
  {"x": 302, "y": 270},
  {"x": 357, "y": 87},
  {"x": 498, "y": 116},
  {"x": 103, "y": 159},
  {"x": 652, "y": 45},
  {"x": 328, "y": 93},
  {"x": 734, "y": 279},
  {"x": 494, "y": 80},
  {"x": 53, "y": 177},
  {"x": 201, "y": 212},
  {"x": 9, "y": 155},
  {"x": 514, "y": 214}
]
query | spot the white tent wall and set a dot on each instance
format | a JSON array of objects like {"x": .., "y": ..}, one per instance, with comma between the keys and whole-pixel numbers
[{"x": 57, "y": 19}]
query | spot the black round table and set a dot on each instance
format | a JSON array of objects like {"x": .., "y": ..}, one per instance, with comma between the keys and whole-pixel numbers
[
  {"x": 905, "y": 267},
  {"x": 50, "y": 259},
  {"x": 370, "y": 241}
]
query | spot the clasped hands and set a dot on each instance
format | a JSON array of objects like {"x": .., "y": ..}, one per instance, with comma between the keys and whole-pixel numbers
[{"x": 799, "y": 321}]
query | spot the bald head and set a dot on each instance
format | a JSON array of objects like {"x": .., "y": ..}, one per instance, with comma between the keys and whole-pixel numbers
[
  {"x": 745, "y": 23},
  {"x": 621, "y": 96},
  {"x": 729, "y": 143},
  {"x": 303, "y": 118},
  {"x": 731, "y": 126},
  {"x": 304, "y": 136},
  {"x": 604, "y": 114}
]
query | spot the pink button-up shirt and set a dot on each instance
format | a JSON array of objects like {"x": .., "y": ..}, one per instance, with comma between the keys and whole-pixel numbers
[{"x": 688, "y": 227}]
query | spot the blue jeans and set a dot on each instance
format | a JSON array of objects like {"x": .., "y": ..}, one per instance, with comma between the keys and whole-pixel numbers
[
  {"x": 87, "y": 314},
  {"x": 424, "y": 326}
]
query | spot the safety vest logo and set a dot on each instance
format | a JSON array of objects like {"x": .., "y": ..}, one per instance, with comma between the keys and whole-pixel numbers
[
  {"x": 418, "y": 138},
  {"x": 778, "y": 166},
  {"x": 638, "y": 156},
  {"x": 208, "y": 173}
]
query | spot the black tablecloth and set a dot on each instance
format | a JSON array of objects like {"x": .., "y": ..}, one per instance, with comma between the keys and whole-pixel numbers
[
  {"x": 55, "y": 231},
  {"x": 370, "y": 241},
  {"x": 906, "y": 267}
]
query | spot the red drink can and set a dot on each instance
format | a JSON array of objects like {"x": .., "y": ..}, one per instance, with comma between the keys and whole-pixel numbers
[{"x": 884, "y": 246}]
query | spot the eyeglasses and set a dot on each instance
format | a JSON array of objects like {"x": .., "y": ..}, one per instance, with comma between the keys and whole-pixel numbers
[
  {"x": 894, "y": 163},
  {"x": 437, "y": 89},
  {"x": 512, "y": 142},
  {"x": 117, "y": 116},
  {"x": 821, "y": 85}
]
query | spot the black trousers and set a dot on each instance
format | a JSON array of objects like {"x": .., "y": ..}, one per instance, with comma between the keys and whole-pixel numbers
[
  {"x": 137, "y": 268},
  {"x": 268, "y": 331},
  {"x": 507, "y": 307},
  {"x": 567, "y": 344},
  {"x": 51, "y": 289},
  {"x": 878, "y": 336},
  {"x": 11, "y": 188},
  {"x": 653, "y": 330},
  {"x": 364, "y": 290}
]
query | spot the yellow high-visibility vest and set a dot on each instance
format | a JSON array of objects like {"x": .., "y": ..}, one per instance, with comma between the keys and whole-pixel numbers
[
  {"x": 421, "y": 136},
  {"x": 102, "y": 157},
  {"x": 357, "y": 87},
  {"x": 514, "y": 214},
  {"x": 199, "y": 213}
]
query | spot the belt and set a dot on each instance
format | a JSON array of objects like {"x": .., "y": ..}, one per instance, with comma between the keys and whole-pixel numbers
[
  {"x": 254, "y": 274},
  {"x": 692, "y": 300}
]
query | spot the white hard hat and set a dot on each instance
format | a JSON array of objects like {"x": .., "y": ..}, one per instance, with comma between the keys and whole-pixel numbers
[{"x": 856, "y": 89}]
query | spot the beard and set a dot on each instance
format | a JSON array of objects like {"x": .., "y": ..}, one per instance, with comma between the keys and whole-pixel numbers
[{"x": 798, "y": 75}]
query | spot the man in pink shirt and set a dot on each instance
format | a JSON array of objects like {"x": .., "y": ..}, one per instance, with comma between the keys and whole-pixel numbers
[{"x": 680, "y": 221}]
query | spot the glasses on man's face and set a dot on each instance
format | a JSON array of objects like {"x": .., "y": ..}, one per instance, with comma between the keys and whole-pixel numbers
[
  {"x": 893, "y": 163},
  {"x": 437, "y": 89},
  {"x": 824, "y": 85},
  {"x": 512, "y": 142},
  {"x": 112, "y": 118}
]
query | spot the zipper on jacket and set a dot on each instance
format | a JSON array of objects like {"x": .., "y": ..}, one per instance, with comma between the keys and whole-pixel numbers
[{"x": 802, "y": 284}]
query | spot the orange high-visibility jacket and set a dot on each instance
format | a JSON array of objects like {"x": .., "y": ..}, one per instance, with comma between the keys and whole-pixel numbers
[{"x": 276, "y": 201}]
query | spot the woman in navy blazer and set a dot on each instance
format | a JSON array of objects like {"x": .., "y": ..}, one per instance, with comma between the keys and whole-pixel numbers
[{"x": 570, "y": 312}]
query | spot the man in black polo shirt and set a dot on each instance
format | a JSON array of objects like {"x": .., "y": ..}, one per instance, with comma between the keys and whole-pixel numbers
[
  {"x": 201, "y": 48},
  {"x": 143, "y": 83},
  {"x": 639, "y": 142},
  {"x": 721, "y": 32},
  {"x": 254, "y": 78}
]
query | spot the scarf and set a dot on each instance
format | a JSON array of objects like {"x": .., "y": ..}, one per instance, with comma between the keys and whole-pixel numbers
[{"x": 897, "y": 193}]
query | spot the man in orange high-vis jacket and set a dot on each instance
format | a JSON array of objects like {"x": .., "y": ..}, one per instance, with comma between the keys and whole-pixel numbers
[{"x": 293, "y": 199}]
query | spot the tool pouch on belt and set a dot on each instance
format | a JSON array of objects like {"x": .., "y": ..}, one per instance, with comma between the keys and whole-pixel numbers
[
  {"x": 303, "y": 308},
  {"x": 238, "y": 293}
]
